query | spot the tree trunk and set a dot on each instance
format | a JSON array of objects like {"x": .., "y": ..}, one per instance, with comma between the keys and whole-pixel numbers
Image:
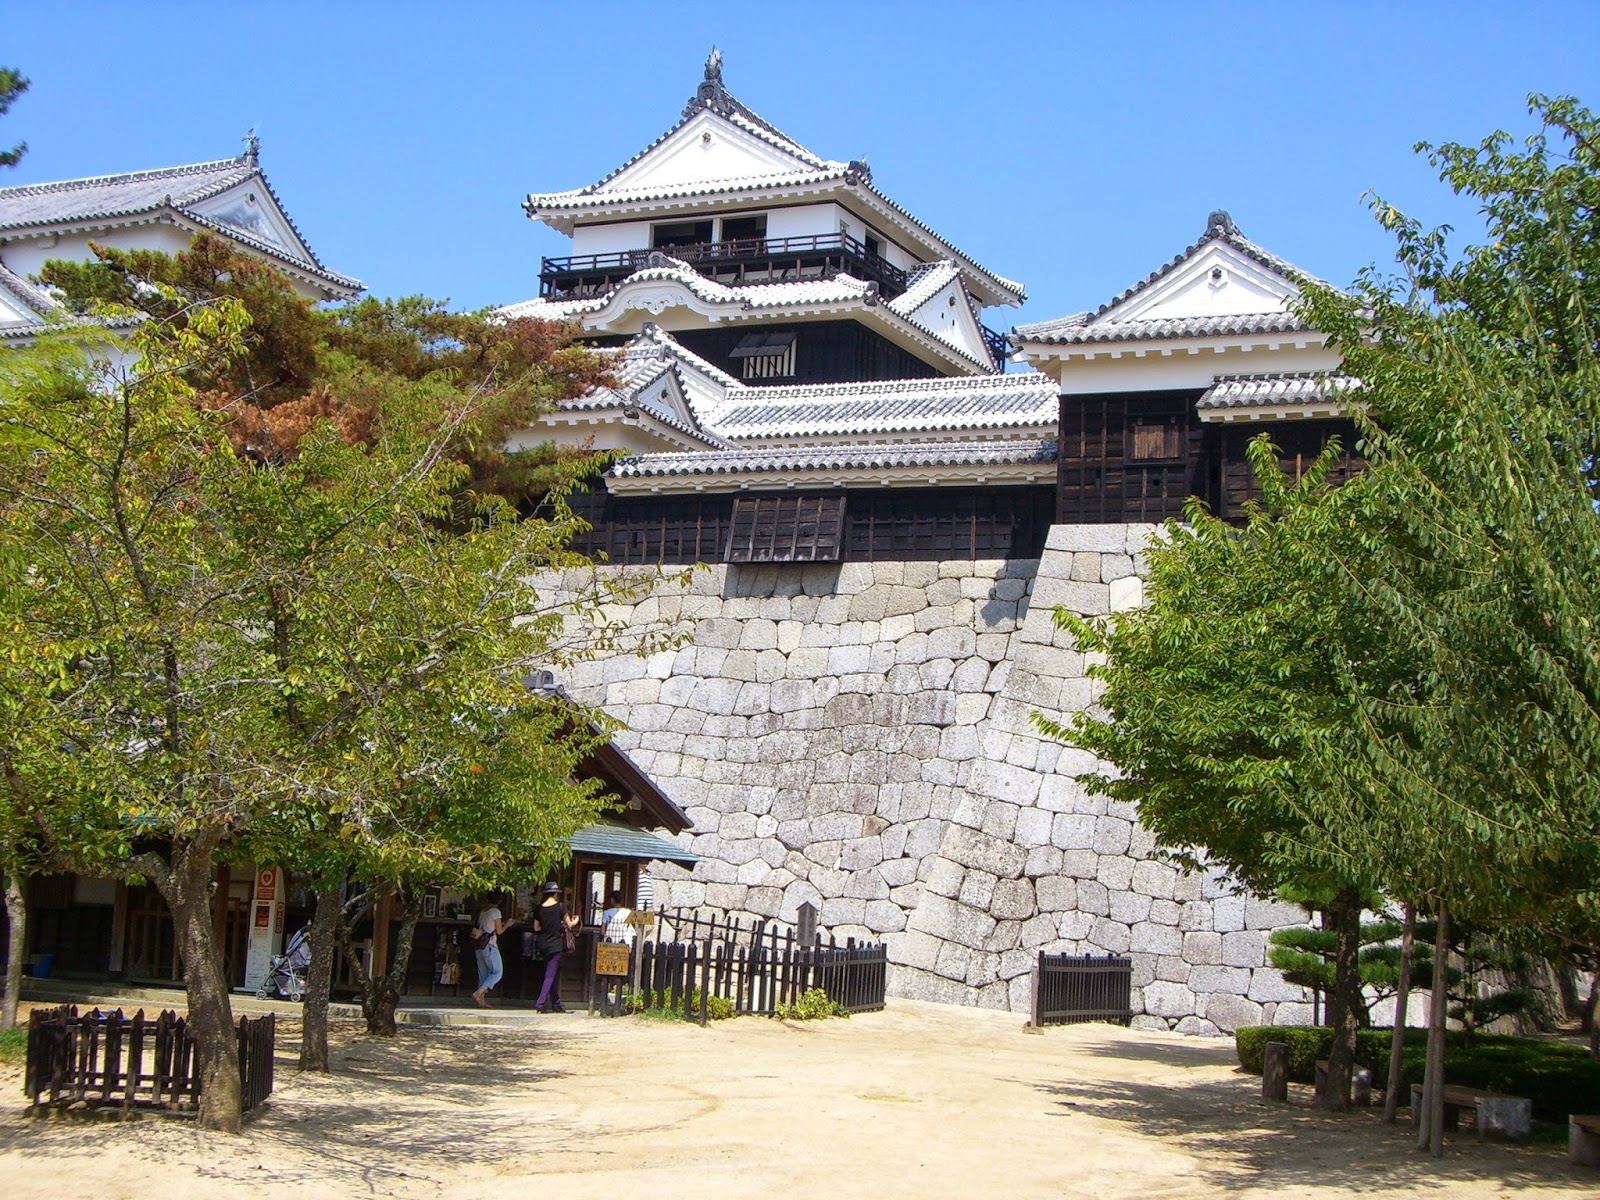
[
  {"x": 380, "y": 996},
  {"x": 1345, "y": 1001},
  {"x": 1430, "y": 1129},
  {"x": 16, "y": 947},
  {"x": 319, "y": 982},
  {"x": 1591, "y": 1014},
  {"x": 187, "y": 890},
  {"x": 1402, "y": 997}
]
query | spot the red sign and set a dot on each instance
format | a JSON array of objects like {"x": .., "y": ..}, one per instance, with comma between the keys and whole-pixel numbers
[
  {"x": 267, "y": 883},
  {"x": 263, "y": 916}
]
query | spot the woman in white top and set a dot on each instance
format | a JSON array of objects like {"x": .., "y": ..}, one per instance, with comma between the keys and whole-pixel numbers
[{"x": 487, "y": 951}]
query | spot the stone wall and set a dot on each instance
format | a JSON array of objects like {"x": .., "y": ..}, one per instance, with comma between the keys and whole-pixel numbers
[{"x": 859, "y": 736}]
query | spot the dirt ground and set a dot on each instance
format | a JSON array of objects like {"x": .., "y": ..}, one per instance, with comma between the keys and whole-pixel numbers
[{"x": 919, "y": 1101}]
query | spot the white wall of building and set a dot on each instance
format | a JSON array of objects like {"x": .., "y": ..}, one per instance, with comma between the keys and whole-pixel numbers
[{"x": 611, "y": 238}]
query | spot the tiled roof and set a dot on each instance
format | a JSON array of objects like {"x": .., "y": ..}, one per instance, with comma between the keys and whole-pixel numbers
[
  {"x": 712, "y": 96},
  {"x": 26, "y": 296},
  {"x": 1103, "y": 325},
  {"x": 617, "y": 840},
  {"x": 840, "y": 289},
  {"x": 1273, "y": 391},
  {"x": 925, "y": 283},
  {"x": 113, "y": 197},
  {"x": 989, "y": 402},
  {"x": 1020, "y": 452},
  {"x": 1062, "y": 332}
]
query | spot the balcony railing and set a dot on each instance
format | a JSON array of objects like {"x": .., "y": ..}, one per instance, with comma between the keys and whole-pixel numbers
[{"x": 737, "y": 263}]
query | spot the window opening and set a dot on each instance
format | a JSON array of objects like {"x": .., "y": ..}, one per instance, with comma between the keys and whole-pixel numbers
[
  {"x": 766, "y": 355},
  {"x": 786, "y": 529},
  {"x": 680, "y": 233},
  {"x": 745, "y": 229}
]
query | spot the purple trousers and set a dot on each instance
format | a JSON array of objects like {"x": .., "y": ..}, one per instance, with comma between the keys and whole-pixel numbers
[{"x": 552, "y": 971}]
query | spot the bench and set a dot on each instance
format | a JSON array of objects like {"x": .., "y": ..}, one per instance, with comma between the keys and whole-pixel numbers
[
  {"x": 1583, "y": 1139},
  {"x": 1502, "y": 1118}
]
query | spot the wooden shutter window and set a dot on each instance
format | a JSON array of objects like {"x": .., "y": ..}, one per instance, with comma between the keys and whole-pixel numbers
[
  {"x": 786, "y": 529},
  {"x": 1156, "y": 438}
]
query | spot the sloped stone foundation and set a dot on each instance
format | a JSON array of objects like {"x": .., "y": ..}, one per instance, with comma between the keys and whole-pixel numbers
[{"x": 859, "y": 736}]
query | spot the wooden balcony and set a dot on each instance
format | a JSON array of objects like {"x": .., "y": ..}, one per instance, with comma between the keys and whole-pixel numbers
[{"x": 735, "y": 263}]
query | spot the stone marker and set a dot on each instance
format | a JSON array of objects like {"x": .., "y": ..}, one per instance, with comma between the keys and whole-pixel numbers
[
  {"x": 1275, "y": 1072},
  {"x": 1505, "y": 1118}
]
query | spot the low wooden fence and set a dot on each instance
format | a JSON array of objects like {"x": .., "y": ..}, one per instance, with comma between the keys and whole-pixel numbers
[
  {"x": 1082, "y": 987},
  {"x": 104, "y": 1059},
  {"x": 759, "y": 968}
]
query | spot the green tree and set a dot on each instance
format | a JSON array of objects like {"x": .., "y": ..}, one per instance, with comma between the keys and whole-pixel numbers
[
  {"x": 12, "y": 85},
  {"x": 1221, "y": 697}
]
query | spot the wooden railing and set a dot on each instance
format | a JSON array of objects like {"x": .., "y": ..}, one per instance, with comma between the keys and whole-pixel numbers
[
  {"x": 736, "y": 262},
  {"x": 104, "y": 1059},
  {"x": 1068, "y": 988},
  {"x": 760, "y": 968}
]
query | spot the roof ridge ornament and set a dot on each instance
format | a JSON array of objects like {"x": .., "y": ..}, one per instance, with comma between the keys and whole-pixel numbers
[
  {"x": 252, "y": 146},
  {"x": 1221, "y": 221},
  {"x": 711, "y": 93}
]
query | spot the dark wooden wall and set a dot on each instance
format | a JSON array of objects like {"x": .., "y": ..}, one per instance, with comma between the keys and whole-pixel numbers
[
  {"x": 909, "y": 524},
  {"x": 825, "y": 352},
  {"x": 1139, "y": 456}
]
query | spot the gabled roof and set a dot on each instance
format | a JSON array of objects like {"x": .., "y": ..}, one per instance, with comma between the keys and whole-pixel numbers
[
  {"x": 774, "y": 164},
  {"x": 803, "y": 297},
  {"x": 1153, "y": 309},
  {"x": 200, "y": 194}
]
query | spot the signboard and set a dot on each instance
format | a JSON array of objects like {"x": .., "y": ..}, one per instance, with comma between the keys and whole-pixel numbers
[
  {"x": 610, "y": 958},
  {"x": 267, "y": 883},
  {"x": 263, "y": 916},
  {"x": 641, "y": 918}
]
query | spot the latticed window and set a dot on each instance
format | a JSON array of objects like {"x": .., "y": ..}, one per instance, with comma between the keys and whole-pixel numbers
[
  {"x": 766, "y": 355},
  {"x": 786, "y": 529}
]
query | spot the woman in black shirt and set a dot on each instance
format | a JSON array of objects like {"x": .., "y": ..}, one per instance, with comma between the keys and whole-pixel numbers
[{"x": 554, "y": 926}]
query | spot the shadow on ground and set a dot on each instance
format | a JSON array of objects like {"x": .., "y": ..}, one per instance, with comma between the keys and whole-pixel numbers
[{"x": 1244, "y": 1142}]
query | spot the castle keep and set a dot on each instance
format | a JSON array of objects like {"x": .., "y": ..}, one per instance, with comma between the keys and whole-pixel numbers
[{"x": 813, "y": 404}]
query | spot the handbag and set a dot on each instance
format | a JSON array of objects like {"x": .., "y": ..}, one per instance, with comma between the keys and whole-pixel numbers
[{"x": 569, "y": 940}]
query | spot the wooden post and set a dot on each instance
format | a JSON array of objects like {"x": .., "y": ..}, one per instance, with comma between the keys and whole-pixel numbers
[
  {"x": 1275, "y": 1072},
  {"x": 805, "y": 924},
  {"x": 1430, "y": 1126},
  {"x": 1391, "y": 1091}
]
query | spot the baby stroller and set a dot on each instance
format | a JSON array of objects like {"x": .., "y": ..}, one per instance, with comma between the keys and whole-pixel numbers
[{"x": 287, "y": 978}]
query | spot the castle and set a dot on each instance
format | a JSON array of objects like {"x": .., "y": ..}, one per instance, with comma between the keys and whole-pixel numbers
[{"x": 812, "y": 404}]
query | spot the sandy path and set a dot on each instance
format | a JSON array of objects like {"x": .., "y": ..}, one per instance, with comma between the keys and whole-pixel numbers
[{"x": 923, "y": 1100}]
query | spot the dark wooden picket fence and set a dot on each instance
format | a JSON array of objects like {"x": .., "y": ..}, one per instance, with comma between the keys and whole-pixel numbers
[
  {"x": 1082, "y": 987},
  {"x": 758, "y": 967},
  {"x": 105, "y": 1059}
]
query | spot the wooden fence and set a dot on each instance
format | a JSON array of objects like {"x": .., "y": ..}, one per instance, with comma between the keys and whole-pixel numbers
[
  {"x": 104, "y": 1059},
  {"x": 760, "y": 968},
  {"x": 1071, "y": 987}
]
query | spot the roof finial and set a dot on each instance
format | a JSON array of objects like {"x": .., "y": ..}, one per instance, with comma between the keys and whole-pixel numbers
[
  {"x": 1221, "y": 220},
  {"x": 252, "y": 145},
  {"x": 711, "y": 94}
]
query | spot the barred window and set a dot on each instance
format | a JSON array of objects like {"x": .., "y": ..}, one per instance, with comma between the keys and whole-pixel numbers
[{"x": 786, "y": 529}]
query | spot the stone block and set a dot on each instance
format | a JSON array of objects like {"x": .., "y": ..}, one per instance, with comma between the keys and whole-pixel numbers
[
  {"x": 1129, "y": 907},
  {"x": 1033, "y": 828},
  {"x": 1173, "y": 969},
  {"x": 1111, "y": 936},
  {"x": 1229, "y": 1013},
  {"x": 1080, "y": 864},
  {"x": 1202, "y": 948},
  {"x": 866, "y": 885},
  {"x": 977, "y": 889},
  {"x": 1165, "y": 912},
  {"x": 1266, "y": 984},
  {"x": 1125, "y": 593},
  {"x": 1232, "y": 981},
  {"x": 1111, "y": 835},
  {"x": 1197, "y": 1027},
  {"x": 843, "y": 910},
  {"x": 1154, "y": 879},
  {"x": 974, "y": 849},
  {"x": 1043, "y": 860},
  {"x": 1094, "y": 898},
  {"x": 1013, "y": 900},
  {"x": 1156, "y": 939},
  {"x": 1271, "y": 914},
  {"x": 1247, "y": 949},
  {"x": 1115, "y": 873},
  {"x": 1073, "y": 831},
  {"x": 1227, "y": 914},
  {"x": 1173, "y": 1001},
  {"x": 884, "y": 916},
  {"x": 1194, "y": 916},
  {"x": 1056, "y": 893}
]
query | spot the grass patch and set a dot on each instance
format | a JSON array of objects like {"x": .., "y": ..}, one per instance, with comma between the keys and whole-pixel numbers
[{"x": 13, "y": 1045}]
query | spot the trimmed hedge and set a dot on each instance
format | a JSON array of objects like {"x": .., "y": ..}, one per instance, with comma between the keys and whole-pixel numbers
[{"x": 1560, "y": 1078}]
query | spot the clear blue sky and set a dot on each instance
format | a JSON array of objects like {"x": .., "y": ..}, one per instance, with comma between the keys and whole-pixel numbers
[{"x": 1072, "y": 146}]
